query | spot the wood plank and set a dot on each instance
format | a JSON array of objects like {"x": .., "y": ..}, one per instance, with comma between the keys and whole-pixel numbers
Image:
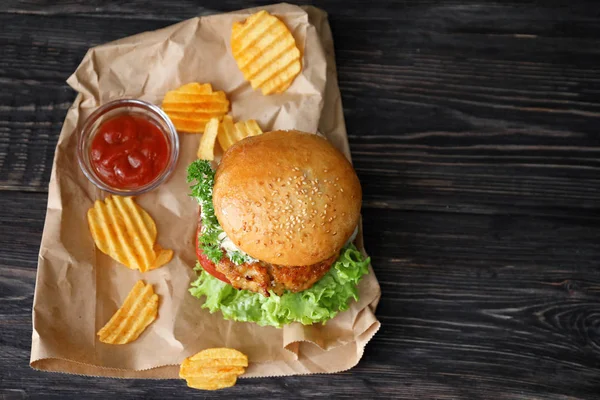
[
  {"x": 508, "y": 126},
  {"x": 472, "y": 305}
]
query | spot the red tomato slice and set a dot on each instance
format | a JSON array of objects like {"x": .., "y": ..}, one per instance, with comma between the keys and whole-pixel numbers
[{"x": 207, "y": 264}]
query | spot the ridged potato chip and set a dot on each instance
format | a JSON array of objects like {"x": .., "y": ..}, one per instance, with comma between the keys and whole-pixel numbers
[
  {"x": 212, "y": 384},
  {"x": 220, "y": 353},
  {"x": 206, "y": 150},
  {"x": 265, "y": 52},
  {"x": 163, "y": 256},
  {"x": 191, "y": 106},
  {"x": 247, "y": 128},
  {"x": 230, "y": 133},
  {"x": 195, "y": 369},
  {"x": 213, "y": 369},
  {"x": 127, "y": 233},
  {"x": 139, "y": 310},
  {"x": 195, "y": 88},
  {"x": 227, "y": 134}
]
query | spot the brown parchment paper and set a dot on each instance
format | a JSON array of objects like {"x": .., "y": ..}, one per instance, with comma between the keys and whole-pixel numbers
[{"x": 78, "y": 288}]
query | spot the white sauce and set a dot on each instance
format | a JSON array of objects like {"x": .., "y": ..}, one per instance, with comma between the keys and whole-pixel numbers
[
  {"x": 230, "y": 247},
  {"x": 227, "y": 244}
]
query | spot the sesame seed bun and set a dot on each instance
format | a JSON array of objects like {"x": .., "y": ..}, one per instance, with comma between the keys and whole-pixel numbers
[{"x": 287, "y": 197}]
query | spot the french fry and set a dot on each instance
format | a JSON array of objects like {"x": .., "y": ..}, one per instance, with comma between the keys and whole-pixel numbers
[
  {"x": 139, "y": 310},
  {"x": 206, "y": 150},
  {"x": 265, "y": 52},
  {"x": 230, "y": 133},
  {"x": 248, "y": 128}
]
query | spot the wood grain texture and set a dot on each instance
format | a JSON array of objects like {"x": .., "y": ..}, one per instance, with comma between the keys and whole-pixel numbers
[
  {"x": 472, "y": 305},
  {"x": 473, "y": 128},
  {"x": 473, "y": 113}
]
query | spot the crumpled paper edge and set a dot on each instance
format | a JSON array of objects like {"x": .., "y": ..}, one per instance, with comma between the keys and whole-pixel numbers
[{"x": 359, "y": 341}]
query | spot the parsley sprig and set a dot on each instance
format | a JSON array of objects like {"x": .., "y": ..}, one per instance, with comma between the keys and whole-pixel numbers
[{"x": 202, "y": 177}]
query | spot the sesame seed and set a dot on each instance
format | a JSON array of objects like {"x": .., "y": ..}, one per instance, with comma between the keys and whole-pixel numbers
[
  {"x": 325, "y": 170},
  {"x": 327, "y": 231},
  {"x": 334, "y": 233},
  {"x": 278, "y": 254},
  {"x": 341, "y": 190}
]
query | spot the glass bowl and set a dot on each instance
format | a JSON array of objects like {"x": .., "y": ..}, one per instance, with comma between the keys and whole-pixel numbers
[{"x": 131, "y": 107}]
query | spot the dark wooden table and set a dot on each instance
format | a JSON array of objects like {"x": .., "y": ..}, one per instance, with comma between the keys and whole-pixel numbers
[{"x": 474, "y": 128}]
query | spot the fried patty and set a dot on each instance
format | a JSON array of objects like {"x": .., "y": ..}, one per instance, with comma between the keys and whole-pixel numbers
[{"x": 261, "y": 277}]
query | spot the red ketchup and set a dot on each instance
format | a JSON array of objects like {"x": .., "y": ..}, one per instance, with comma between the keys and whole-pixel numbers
[{"x": 129, "y": 151}]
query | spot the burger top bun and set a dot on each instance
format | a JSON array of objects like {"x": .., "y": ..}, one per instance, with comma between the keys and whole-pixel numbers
[{"x": 287, "y": 197}]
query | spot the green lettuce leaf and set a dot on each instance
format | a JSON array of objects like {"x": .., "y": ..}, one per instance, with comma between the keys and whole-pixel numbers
[{"x": 320, "y": 303}]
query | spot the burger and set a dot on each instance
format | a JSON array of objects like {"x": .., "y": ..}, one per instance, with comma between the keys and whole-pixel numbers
[{"x": 275, "y": 232}]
